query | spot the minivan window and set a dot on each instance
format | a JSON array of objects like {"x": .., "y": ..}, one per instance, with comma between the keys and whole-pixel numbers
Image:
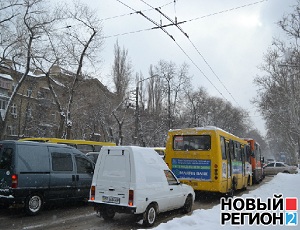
[
  {"x": 6, "y": 158},
  {"x": 83, "y": 165},
  {"x": 61, "y": 161}
]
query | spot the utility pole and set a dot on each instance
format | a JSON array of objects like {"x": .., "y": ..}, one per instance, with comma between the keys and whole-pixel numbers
[{"x": 136, "y": 133}]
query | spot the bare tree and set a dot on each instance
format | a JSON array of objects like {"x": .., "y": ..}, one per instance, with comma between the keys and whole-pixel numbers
[
  {"x": 121, "y": 71},
  {"x": 279, "y": 89},
  {"x": 9, "y": 10},
  {"x": 72, "y": 44},
  {"x": 81, "y": 47},
  {"x": 155, "y": 92},
  {"x": 175, "y": 80},
  {"x": 202, "y": 110},
  {"x": 196, "y": 110},
  {"x": 28, "y": 26}
]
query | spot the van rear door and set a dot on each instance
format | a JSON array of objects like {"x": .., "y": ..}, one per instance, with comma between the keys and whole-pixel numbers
[
  {"x": 6, "y": 159},
  {"x": 113, "y": 179}
]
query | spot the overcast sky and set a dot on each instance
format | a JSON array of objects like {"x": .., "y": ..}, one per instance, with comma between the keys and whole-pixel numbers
[{"x": 232, "y": 36}]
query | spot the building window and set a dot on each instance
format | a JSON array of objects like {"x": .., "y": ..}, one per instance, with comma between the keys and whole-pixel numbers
[
  {"x": 40, "y": 94},
  {"x": 12, "y": 130},
  {"x": 29, "y": 92},
  {"x": 14, "y": 110},
  {"x": 29, "y": 112},
  {"x": 3, "y": 104}
]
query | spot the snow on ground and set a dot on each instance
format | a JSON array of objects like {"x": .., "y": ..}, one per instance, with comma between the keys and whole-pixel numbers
[{"x": 286, "y": 184}]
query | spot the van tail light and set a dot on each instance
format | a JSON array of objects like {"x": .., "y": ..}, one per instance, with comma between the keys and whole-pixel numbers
[
  {"x": 130, "y": 198},
  {"x": 14, "y": 181},
  {"x": 93, "y": 190}
]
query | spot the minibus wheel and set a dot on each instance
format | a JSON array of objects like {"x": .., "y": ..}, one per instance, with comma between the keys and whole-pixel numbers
[
  {"x": 150, "y": 215},
  {"x": 33, "y": 204}
]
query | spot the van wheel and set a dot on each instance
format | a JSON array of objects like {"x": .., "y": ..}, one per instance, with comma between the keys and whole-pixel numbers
[
  {"x": 188, "y": 204},
  {"x": 149, "y": 216},
  {"x": 108, "y": 213},
  {"x": 33, "y": 204}
]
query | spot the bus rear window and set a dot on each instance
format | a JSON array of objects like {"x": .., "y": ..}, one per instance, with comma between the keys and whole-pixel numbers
[{"x": 192, "y": 142}]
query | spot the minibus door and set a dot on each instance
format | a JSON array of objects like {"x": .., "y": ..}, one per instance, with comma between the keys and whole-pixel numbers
[{"x": 229, "y": 163}]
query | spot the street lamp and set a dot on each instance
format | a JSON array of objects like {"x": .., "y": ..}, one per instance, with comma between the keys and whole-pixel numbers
[{"x": 137, "y": 113}]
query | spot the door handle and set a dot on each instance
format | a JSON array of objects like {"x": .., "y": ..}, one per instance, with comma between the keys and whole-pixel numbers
[
  {"x": 171, "y": 189},
  {"x": 73, "y": 177},
  {"x": 77, "y": 177}
]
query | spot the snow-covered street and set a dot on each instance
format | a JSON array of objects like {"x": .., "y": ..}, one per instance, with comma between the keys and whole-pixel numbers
[
  {"x": 286, "y": 184},
  {"x": 206, "y": 212}
]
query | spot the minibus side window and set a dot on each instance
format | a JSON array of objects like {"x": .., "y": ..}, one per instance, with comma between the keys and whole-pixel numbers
[
  {"x": 238, "y": 152},
  {"x": 232, "y": 149},
  {"x": 223, "y": 148}
]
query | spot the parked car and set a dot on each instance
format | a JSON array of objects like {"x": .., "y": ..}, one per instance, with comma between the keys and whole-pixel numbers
[
  {"x": 136, "y": 180},
  {"x": 33, "y": 173},
  {"x": 270, "y": 160},
  {"x": 160, "y": 150},
  {"x": 277, "y": 167},
  {"x": 93, "y": 156}
]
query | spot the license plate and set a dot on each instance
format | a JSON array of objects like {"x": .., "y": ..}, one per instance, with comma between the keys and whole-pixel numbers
[{"x": 111, "y": 199}]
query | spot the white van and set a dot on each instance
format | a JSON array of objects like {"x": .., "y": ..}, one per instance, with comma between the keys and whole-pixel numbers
[{"x": 136, "y": 180}]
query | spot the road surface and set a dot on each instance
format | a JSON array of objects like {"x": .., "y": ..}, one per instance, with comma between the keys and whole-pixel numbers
[{"x": 80, "y": 216}]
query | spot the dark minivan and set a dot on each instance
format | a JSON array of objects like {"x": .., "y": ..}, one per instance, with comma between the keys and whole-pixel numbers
[{"x": 33, "y": 173}]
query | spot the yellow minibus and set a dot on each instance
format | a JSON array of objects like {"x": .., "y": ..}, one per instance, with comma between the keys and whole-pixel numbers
[
  {"x": 82, "y": 145},
  {"x": 209, "y": 159}
]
